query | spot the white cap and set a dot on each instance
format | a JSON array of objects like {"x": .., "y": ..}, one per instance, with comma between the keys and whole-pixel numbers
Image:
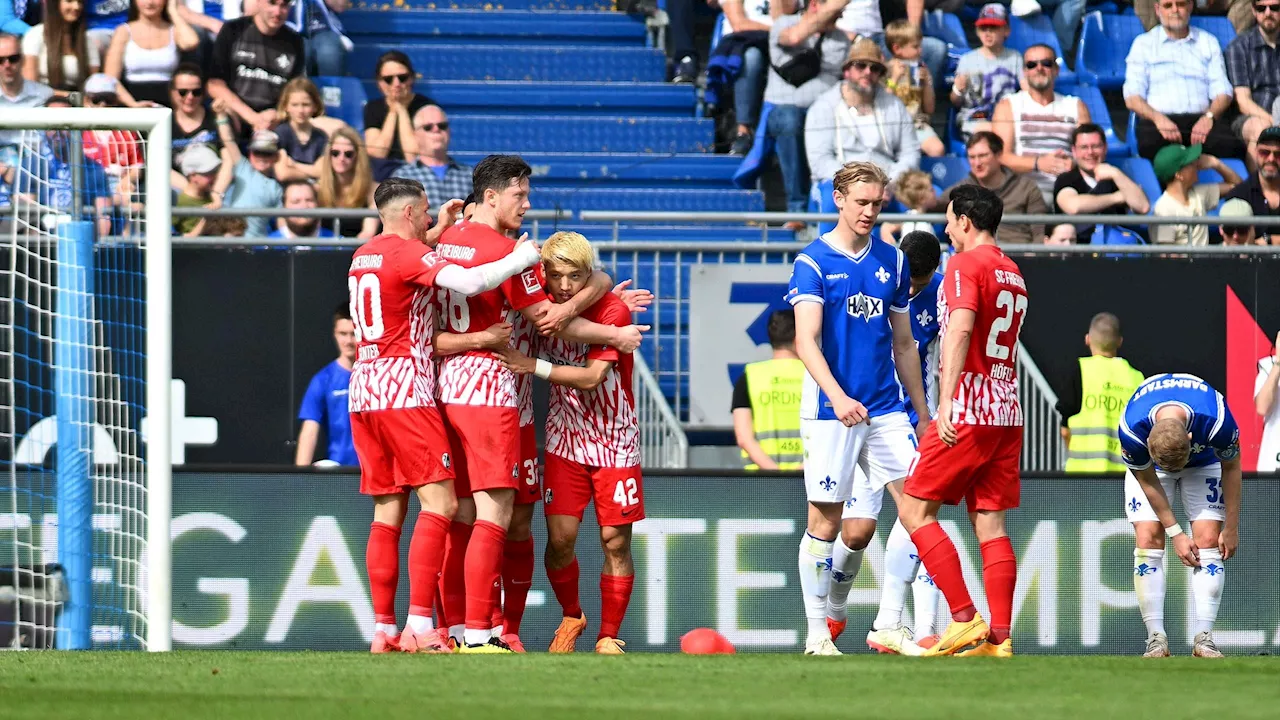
[
  {"x": 101, "y": 84},
  {"x": 199, "y": 158}
]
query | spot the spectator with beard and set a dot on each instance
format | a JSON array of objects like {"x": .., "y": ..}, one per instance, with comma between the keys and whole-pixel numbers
[
  {"x": 1253, "y": 67},
  {"x": 300, "y": 195},
  {"x": 1019, "y": 192},
  {"x": 1093, "y": 187},
  {"x": 1262, "y": 189}
]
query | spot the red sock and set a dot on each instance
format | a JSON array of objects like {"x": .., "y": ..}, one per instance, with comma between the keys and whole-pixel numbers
[
  {"x": 426, "y": 555},
  {"x": 939, "y": 556},
  {"x": 517, "y": 577},
  {"x": 484, "y": 567},
  {"x": 564, "y": 583},
  {"x": 615, "y": 594},
  {"x": 999, "y": 575},
  {"x": 382, "y": 561},
  {"x": 453, "y": 586}
]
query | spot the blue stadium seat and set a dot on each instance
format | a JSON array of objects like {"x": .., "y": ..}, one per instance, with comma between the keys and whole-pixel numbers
[
  {"x": 344, "y": 98},
  {"x": 1141, "y": 172},
  {"x": 548, "y": 133},
  {"x": 557, "y": 98},
  {"x": 646, "y": 232},
  {"x": 488, "y": 5},
  {"x": 1117, "y": 147},
  {"x": 761, "y": 149},
  {"x": 1131, "y": 134},
  {"x": 647, "y": 199},
  {"x": 955, "y": 143},
  {"x": 700, "y": 170},
  {"x": 1104, "y": 44},
  {"x": 446, "y": 26},
  {"x": 947, "y": 28},
  {"x": 1216, "y": 25},
  {"x": 1116, "y": 235},
  {"x": 519, "y": 62},
  {"x": 821, "y": 201},
  {"x": 946, "y": 171},
  {"x": 1038, "y": 30}
]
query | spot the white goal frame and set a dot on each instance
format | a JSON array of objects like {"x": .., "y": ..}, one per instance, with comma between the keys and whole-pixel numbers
[{"x": 155, "y": 123}]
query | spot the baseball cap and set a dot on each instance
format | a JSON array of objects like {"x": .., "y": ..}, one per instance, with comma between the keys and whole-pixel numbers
[
  {"x": 199, "y": 158},
  {"x": 1173, "y": 158},
  {"x": 101, "y": 84},
  {"x": 1270, "y": 135},
  {"x": 992, "y": 15},
  {"x": 1236, "y": 208},
  {"x": 264, "y": 141}
]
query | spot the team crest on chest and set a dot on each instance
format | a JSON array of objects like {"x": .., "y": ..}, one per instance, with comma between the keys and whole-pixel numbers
[{"x": 882, "y": 275}]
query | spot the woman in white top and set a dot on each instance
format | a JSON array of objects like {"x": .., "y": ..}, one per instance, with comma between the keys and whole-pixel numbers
[
  {"x": 144, "y": 51},
  {"x": 61, "y": 35}
]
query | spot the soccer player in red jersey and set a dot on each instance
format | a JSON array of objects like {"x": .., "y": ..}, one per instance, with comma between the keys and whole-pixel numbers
[
  {"x": 593, "y": 449},
  {"x": 972, "y": 449},
  {"x": 481, "y": 397},
  {"x": 397, "y": 430}
]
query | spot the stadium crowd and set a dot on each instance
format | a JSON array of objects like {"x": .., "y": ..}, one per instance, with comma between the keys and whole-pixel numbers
[{"x": 844, "y": 80}]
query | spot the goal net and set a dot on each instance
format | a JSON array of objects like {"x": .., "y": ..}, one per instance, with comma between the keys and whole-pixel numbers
[{"x": 84, "y": 378}]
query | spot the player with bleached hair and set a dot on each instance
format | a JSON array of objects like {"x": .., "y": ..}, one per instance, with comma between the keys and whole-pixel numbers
[{"x": 1177, "y": 435}]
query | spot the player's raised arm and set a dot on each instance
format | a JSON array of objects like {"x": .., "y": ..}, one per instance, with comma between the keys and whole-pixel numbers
[
  {"x": 558, "y": 315},
  {"x": 625, "y": 338},
  {"x": 587, "y": 377}
]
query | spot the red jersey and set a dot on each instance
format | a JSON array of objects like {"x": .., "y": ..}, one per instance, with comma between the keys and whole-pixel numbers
[
  {"x": 987, "y": 282},
  {"x": 476, "y": 377},
  {"x": 114, "y": 150},
  {"x": 390, "y": 285},
  {"x": 597, "y": 428}
]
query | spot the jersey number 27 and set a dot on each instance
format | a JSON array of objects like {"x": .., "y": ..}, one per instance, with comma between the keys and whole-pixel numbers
[{"x": 1001, "y": 348}]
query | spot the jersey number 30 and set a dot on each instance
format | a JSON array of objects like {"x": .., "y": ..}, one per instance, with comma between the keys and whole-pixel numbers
[
  {"x": 1012, "y": 305},
  {"x": 367, "y": 315}
]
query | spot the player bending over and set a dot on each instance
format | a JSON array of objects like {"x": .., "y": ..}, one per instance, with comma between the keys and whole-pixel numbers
[
  {"x": 901, "y": 561},
  {"x": 480, "y": 397},
  {"x": 397, "y": 431},
  {"x": 971, "y": 450},
  {"x": 851, "y": 298},
  {"x": 593, "y": 449},
  {"x": 1178, "y": 435}
]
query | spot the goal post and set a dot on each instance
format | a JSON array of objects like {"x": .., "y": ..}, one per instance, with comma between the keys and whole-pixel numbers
[{"x": 87, "y": 324}]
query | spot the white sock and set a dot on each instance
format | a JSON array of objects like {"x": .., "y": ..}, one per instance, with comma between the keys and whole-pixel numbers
[
  {"x": 496, "y": 632},
  {"x": 900, "y": 564},
  {"x": 845, "y": 564},
  {"x": 815, "y": 583},
  {"x": 388, "y": 628},
  {"x": 472, "y": 636},
  {"x": 924, "y": 598},
  {"x": 1206, "y": 585},
  {"x": 421, "y": 624},
  {"x": 1148, "y": 582},
  {"x": 457, "y": 631}
]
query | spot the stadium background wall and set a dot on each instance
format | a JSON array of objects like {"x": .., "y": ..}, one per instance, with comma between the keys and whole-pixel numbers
[
  {"x": 251, "y": 327},
  {"x": 275, "y": 560}
]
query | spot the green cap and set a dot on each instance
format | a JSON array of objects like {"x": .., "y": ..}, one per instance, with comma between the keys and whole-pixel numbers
[{"x": 1173, "y": 158}]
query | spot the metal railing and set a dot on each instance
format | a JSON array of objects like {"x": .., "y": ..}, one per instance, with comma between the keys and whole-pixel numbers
[
  {"x": 1042, "y": 449},
  {"x": 663, "y": 443}
]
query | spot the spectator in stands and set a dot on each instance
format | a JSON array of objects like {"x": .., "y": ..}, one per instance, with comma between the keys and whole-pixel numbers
[
  {"x": 201, "y": 166},
  {"x": 50, "y": 173},
  {"x": 1176, "y": 81},
  {"x": 346, "y": 182},
  {"x": 443, "y": 177},
  {"x": 1262, "y": 189},
  {"x": 755, "y": 16},
  {"x": 1253, "y": 67},
  {"x": 986, "y": 75},
  {"x": 914, "y": 189},
  {"x": 206, "y": 17},
  {"x": 253, "y": 57},
  {"x": 254, "y": 185},
  {"x": 1062, "y": 234},
  {"x": 1019, "y": 192},
  {"x": 1178, "y": 168},
  {"x": 806, "y": 57},
  {"x": 62, "y": 37},
  {"x": 119, "y": 152},
  {"x": 193, "y": 124},
  {"x": 912, "y": 82},
  {"x": 681, "y": 41},
  {"x": 1066, "y": 18},
  {"x": 388, "y": 120},
  {"x": 1237, "y": 234},
  {"x": 301, "y": 142},
  {"x": 325, "y": 402},
  {"x": 1237, "y": 11},
  {"x": 104, "y": 17},
  {"x": 317, "y": 21},
  {"x": 1093, "y": 187},
  {"x": 859, "y": 119},
  {"x": 862, "y": 18},
  {"x": 144, "y": 51},
  {"x": 1036, "y": 123},
  {"x": 15, "y": 92},
  {"x": 11, "y": 15},
  {"x": 1265, "y": 393},
  {"x": 766, "y": 402},
  {"x": 300, "y": 195}
]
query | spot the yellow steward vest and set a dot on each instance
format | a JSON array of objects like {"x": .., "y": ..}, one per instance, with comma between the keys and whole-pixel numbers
[
  {"x": 1106, "y": 385},
  {"x": 774, "y": 387}
]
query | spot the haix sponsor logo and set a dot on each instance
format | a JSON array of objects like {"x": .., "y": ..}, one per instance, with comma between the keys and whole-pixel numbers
[
  {"x": 366, "y": 262},
  {"x": 456, "y": 252}
]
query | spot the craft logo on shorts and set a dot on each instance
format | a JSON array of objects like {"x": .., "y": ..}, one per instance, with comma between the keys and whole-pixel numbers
[{"x": 865, "y": 306}]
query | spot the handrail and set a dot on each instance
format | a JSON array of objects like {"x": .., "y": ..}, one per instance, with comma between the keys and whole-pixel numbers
[
  {"x": 935, "y": 218},
  {"x": 327, "y": 213}
]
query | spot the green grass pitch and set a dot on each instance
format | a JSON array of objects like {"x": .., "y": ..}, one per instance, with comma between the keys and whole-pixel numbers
[{"x": 278, "y": 685}]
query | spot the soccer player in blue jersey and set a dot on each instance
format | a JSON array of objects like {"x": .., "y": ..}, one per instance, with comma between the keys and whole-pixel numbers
[
  {"x": 325, "y": 403},
  {"x": 853, "y": 333},
  {"x": 1177, "y": 435}
]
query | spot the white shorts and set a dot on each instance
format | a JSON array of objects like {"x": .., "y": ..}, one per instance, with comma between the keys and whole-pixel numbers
[
  {"x": 883, "y": 451},
  {"x": 1201, "y": 490},
  {"x": 866, "y": 502}
]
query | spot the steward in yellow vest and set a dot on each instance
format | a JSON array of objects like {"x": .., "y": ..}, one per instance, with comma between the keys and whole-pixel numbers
[
  {"x": 1092, "y": 413},
  {"x": 766, "y": 402}
]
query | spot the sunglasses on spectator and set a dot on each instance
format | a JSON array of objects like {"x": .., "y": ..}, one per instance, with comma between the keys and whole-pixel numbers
[
  {"x": 861, "y": 65},
  {"x": 1234, "y": 230},
  {"x": 402, "y": 78},
  {"x": 432, "y": 127},
  {"x": 1264, "y": 153},
  {"x": 1046, "y": 64},
  {"x": 189, "y": 92},
  {"x": 348, "y": 154},
  {"x": 11, "y": 59},
  {"x": 104, "y": 99},
  {"x": 264, "y": 153},
  {"x": 1264, "y": 9}
]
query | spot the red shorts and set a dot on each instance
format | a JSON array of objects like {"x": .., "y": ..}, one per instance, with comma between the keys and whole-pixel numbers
[
  {"x": 981, "y": 468},
  {"x": 487, "y": 442},
  {"x": 400, "y": 449},
  {"x": 530, "y": 488},
  {"x": 570, "y": 486}
]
